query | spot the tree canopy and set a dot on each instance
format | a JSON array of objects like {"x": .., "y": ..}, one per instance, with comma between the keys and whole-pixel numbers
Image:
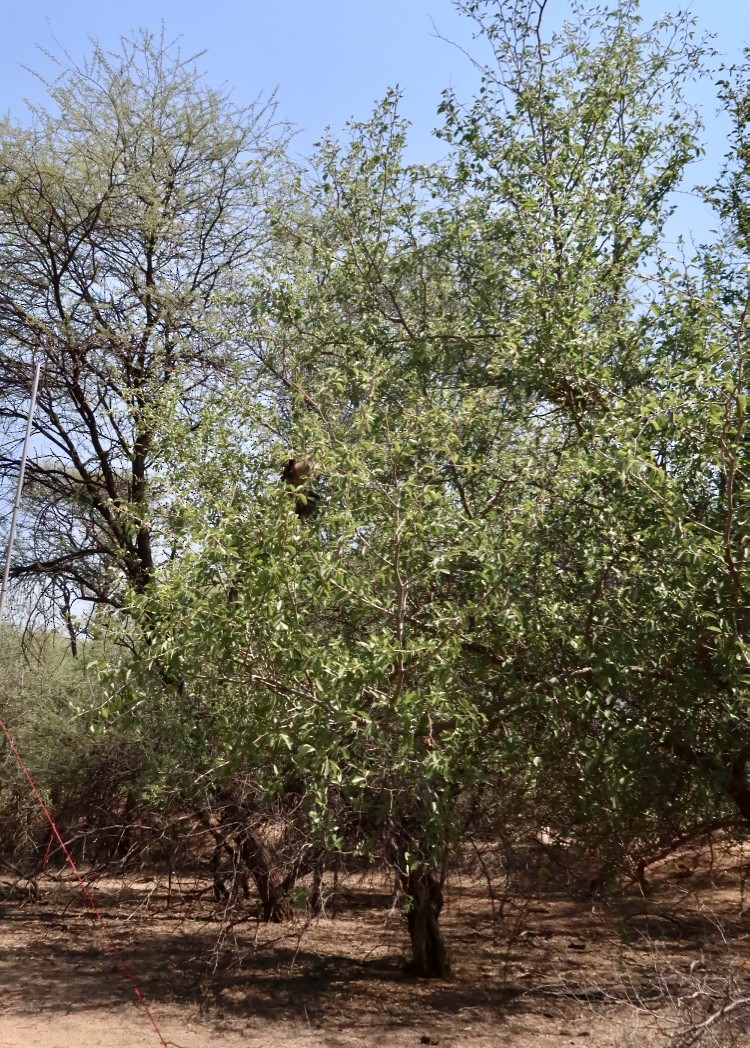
[{"x": 126, "y": 207}]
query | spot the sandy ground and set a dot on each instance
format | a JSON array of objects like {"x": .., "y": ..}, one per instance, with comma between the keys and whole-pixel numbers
[{"x": 555, "y": 970}]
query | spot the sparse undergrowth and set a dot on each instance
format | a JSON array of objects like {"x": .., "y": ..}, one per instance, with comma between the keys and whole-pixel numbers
[{"x": 552, "y": 965}]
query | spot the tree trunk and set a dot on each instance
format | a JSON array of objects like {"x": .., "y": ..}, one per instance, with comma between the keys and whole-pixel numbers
[
  {"x": 429, "y": 955},
  {"x": 738, "y": 787},
  {"x": 233, "y": 834},
  {"x": 740, "y": 794},
  {"x": 315, "y": 900},
  {"x": 274, "y": 902}
]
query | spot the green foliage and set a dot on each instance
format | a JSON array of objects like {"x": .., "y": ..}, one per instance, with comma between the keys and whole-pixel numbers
[
  {"x": 515, "y": 566},
  {"x": 83, "y": 775},
  {"x": 516, "y": 574},
  {"x": 126, "y": 205}
]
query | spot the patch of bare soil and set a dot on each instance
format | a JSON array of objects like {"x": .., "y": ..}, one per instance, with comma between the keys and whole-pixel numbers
[{"x": 548, "y": 967}]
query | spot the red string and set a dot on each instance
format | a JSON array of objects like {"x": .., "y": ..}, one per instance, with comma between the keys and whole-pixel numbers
[
  {"x": 116, "y": 951},
  {"x": 45, "y": 860}
]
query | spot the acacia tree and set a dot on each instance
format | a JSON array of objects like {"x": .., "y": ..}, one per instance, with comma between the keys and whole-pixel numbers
[{"x": 126, "y": 207}]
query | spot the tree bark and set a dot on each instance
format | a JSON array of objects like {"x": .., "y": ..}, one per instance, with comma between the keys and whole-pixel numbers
[
  {"x": 739, "y": 787},
  {"x": 429, "y": 954},
  {"x": 274, "y": 902},
  {"x": 315, "y": 900}
]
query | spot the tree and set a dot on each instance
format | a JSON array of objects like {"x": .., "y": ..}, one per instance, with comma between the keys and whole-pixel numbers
[
  {"x": 126, "y": 208},
  {"x": 662, "y": 666},
  {"x": 450, "y": 351},
  {"x": 630, "y": 633}
]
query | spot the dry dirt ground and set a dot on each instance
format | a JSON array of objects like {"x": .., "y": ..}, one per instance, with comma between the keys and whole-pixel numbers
[{"x": 551, "y": 966}]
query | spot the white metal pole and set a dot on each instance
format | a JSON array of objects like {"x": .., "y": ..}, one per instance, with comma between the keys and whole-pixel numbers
[{"x": 19, "y": 488}]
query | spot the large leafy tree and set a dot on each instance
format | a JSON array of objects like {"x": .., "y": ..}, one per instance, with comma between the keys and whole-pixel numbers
[
  {"x": 126, "y": 207},
  {"x": 462, "y": 356},
  {"x": 660, "y": 619}
]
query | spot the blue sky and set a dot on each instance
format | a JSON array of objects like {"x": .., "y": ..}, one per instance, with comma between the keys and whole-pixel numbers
[{"x": 329, "y": 59}]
